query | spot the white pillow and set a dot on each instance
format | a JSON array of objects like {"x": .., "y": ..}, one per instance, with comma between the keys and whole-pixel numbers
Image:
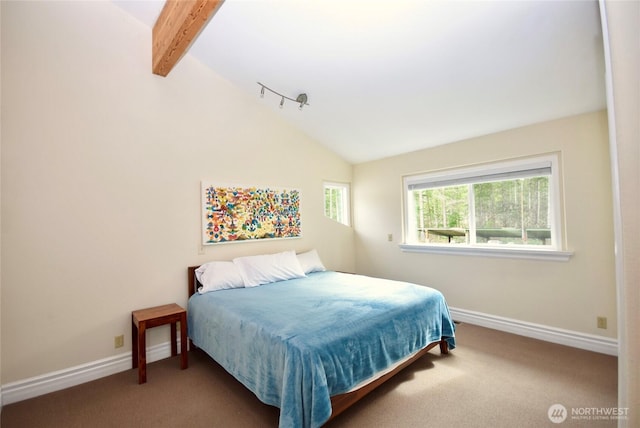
[
  {"x": 310, "y": 262},
  {"x": 218, "y": 276},
  {"x": 263, "y": 269}
]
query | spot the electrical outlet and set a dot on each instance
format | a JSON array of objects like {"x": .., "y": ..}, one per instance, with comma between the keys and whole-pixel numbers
[
  {"x": 390, "y": 237},
  {"x": 118, "y": 341},
  {"x": 602, "y": 322}
]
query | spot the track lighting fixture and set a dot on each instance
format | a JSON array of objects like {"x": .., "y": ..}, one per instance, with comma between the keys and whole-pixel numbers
[{"x": 300, "y": 99}]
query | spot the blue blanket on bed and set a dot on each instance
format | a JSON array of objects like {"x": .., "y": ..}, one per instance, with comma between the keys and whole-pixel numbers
[{"x": 296, "y": 343}]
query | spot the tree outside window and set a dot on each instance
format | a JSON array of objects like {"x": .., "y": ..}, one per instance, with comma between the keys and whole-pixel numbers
[{"x": 505, "y": 204}]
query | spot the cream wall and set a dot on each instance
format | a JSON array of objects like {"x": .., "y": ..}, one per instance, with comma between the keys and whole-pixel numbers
[
  {"x": 568, "y": 295},
  {"x": 101, "y": 169},
  {"x": 622, "y": 52},
  {"x": 0, "y": 217}
]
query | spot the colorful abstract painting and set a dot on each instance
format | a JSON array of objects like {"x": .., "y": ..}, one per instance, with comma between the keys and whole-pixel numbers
[{"x": 249, "y": 213}]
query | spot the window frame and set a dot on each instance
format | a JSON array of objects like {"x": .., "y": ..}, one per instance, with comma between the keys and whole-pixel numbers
[
  {"x": 557, "y": 249},
  {"x": 345, "y": 197}
]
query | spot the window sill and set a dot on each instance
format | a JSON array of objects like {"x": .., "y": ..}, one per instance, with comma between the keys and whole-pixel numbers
[{"x": 509, "y": 253}]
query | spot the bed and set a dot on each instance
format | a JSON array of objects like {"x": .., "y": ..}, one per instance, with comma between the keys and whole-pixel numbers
[{"x": 315, "y": 344}]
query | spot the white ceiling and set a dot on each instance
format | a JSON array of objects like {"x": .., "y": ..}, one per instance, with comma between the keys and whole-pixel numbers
[{"x": 390, "y": 77}]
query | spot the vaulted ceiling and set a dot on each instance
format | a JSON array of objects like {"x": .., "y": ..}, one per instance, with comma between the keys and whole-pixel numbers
[{"x": 390, "y": 77}]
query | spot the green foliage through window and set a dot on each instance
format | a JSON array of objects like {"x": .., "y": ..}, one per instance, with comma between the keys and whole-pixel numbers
[
  {"x": 501, "y": 206},
  {"x": 336, "y": 202}
]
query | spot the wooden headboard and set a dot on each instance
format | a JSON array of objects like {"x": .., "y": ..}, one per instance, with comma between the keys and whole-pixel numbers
[{"x": 191, "y": 272}]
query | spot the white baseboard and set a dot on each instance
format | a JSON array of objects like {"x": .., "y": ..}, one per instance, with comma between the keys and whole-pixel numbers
[
  {"x": 55, "y": 381},
  {"x": 61, "y": 379},
  {"x": 589, "y": 342}
]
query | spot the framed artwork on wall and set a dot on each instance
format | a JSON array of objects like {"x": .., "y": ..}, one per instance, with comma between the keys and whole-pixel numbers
[{"x": 241, "y": 214}]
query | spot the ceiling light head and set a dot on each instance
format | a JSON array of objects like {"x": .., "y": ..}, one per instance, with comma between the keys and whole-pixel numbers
[{"x": 302, "y": 99}]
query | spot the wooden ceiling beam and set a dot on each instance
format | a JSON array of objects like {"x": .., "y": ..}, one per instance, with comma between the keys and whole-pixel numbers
[{"x": 177, "y": 27}]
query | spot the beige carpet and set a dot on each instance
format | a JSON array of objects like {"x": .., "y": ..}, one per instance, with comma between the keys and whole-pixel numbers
[{"x": 492, "y": 379}]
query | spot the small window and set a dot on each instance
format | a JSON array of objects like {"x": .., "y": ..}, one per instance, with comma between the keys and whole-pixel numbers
[
  {"x": 509, "y": 205},
  {"x": 336, "y": 202}
]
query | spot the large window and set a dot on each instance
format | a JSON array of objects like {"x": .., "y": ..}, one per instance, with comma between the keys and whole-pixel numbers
[
  {"x": 510, "y": 205},
  {"x": 336, "y": 202}
]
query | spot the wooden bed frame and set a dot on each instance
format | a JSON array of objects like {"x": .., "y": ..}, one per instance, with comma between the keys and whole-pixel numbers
[{"x": 341, "y": 402}]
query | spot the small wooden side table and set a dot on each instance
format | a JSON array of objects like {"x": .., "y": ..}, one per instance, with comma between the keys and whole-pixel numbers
[{"x": 143, "y": 319}]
